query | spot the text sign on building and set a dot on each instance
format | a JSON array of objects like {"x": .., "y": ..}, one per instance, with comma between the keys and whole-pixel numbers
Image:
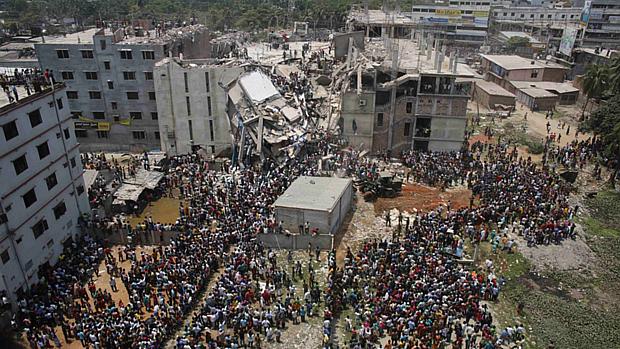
[
  {"x": 585, "y": 13},
  {"x": 86, "y": 125},
  {"x": 447, "y": 12},
  {"x": 568, "y": 41}
]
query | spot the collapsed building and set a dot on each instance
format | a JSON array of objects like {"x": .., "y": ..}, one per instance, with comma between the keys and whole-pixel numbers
[
  {"x": 271, "y": 120},
  {"x": 399, "y": 94}
]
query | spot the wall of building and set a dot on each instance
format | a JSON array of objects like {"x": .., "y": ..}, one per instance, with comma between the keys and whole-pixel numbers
[
  {"x": 207, "y": 109},
  {"x": 292, "y": 218},
  {"x": 296, "y": 242},
  {"x": 142, "y": 132},
  {"x": 17, "y": 240},
  {"x": 364, "y": 116}
]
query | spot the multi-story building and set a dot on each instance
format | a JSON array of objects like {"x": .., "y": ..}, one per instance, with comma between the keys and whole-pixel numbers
[
  {"x": 418, "y": 101},
  {"x": 42, "y": 195},
  {"x": 459, "y": 22},
  {"x": 192, "y": 104},
  {"x": 109, "y": 78},
  {"x": 603, "y": 26}
]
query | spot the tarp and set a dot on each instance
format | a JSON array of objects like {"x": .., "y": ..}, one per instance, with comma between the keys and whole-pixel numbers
[
  {"x": 146, "y": 179},
  {"x": 128, "y": 192}
]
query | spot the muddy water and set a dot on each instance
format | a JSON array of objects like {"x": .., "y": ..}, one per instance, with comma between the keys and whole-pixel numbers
[{"x": 164, "y": 210}]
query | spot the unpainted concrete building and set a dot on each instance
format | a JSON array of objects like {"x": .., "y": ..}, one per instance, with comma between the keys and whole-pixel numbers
[
  {"x": 192, "y": 102},
  {"x": 42, "y": 195},
  {"x": 322, "y": 202},
  {"x": 417, "y": 102},
  {"x": 109, "y": 78}
]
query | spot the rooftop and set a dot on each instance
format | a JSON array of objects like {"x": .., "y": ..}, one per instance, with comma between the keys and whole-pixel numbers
[
  {"x": 537, "y": 92},
  {"x": 513, "y": 62},
  {"x": 313, "y": 193},
  {"x": 412, "y": 59},
  {"x": 510, "y": 34},
  {"x": 559, "y": 87},
  {"x": 493, "y": 89},
  {"x": 6, "y": 106},
  {"x": 148, "y": 36}
]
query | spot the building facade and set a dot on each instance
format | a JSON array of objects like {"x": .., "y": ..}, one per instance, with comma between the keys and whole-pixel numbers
[
  {"x": 110, "y": 84},
  {"x": 192, "y": 103},
  {"x": 43, "y": 194}
]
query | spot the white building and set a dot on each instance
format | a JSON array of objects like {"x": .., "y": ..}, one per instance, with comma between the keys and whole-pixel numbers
[
  {"x": 42, "y": 193},
  {"x": 192, "y": 104}
]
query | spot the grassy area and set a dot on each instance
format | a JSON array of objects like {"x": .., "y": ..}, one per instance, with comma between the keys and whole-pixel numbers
[
  {"x": 515, "y": 134},
  {"x": 573, "y": 309}
]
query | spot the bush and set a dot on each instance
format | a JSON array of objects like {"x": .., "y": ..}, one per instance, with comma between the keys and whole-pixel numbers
[{"x": 535, "y": 148}]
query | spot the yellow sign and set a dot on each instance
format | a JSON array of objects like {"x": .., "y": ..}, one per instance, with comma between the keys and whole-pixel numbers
[
  {"x": 103, "y": 126},
  {"x": 90, "y": 123},
  {"x": 447, "y": 12},
  {"x": 125, "y": 122},
  {"x": 481, "y": 14}
]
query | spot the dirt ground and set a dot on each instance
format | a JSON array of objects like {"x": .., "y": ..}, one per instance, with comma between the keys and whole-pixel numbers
[
  {"x": 165, "y": 210},
  {"x": 418, "y": 197}
]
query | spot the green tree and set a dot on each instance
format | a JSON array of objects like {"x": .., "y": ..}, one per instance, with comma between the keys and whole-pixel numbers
[
  {"x": 614, "y": 77},
  {"x": 595, "y": 83},
  {"x": 517, "y": 41},
  {"x": 605, "y": 124}
]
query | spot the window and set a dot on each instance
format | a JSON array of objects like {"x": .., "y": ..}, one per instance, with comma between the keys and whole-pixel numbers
[
  {"x": 186, "y": 82},
  {"x": 189, "y": 110},
  {"x": 114, "y": 105},
  {"x": 154, "y": 115},
  {"x": 148, "y": 75},
  {"x": 103, "y": 134},
  {"x": 99, "y": 115},
  {"x": 10, "y": 130},
  {"x": 80, "y": 189},
  {"x": 39, "y": 228},
  {"x": 129, "y": 75},
  {"x": 209, "y": 105},
  {"x": 29, "y": 198},
  {"x": 211, "y": 130},
  {"x": 139, "y": 135},
  {"x": 81, "y": 134},
  {"x": 191, "y": 130},
  {"x": 67, "y": 75},
  {"x": 380, "y": 119},
  {"x": 151, "y": 95},
  {"x": 35, "y": 118},
  {"x": 136, "y": 115},
  {"x": 407, "y": 129},
  {"x": 62, "y": 54},
  {"x": 59, "y": 210},
  {"x": 94, "y": 94},
  {"x": 103, "y": 44},
  {"x": 72, "y": 95},
  {"x": 110, "y": 85},
  {"x": 73, "y": 163},
  {"x": 51, "y": 181},
  {"x": 43, "y": 149},
  {"x": 409, "y": 107},
  {"x": 59, "y": 104},
  {"x": 534, "y": 74},
  {"x": 87, "y": 54},
  {"x": 106, "y": 65},
  {"x": 5, "y": 256},
  {"x": 20, "y": 164},
  {"x": 207, "y": 80},
  {"x": 157, "y": 135},
  {"x": 126, "y": 54},
  {"x": 67, "y": 133},
  {"x": 90, "y": 75},
  {"x": 148, "y": 54},
  {"x": 132, "y": 95}
]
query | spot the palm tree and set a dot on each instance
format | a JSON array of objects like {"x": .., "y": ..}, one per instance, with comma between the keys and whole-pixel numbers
[
  {"x": 595, "y": 82},
  {"x": 614, "y": 76}
]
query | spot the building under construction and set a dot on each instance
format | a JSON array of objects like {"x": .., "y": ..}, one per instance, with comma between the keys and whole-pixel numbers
[{"x": 400, "y": 94}]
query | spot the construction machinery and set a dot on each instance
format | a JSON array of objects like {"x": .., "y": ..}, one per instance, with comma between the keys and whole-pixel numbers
[{"x": 387, "y": 185}]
